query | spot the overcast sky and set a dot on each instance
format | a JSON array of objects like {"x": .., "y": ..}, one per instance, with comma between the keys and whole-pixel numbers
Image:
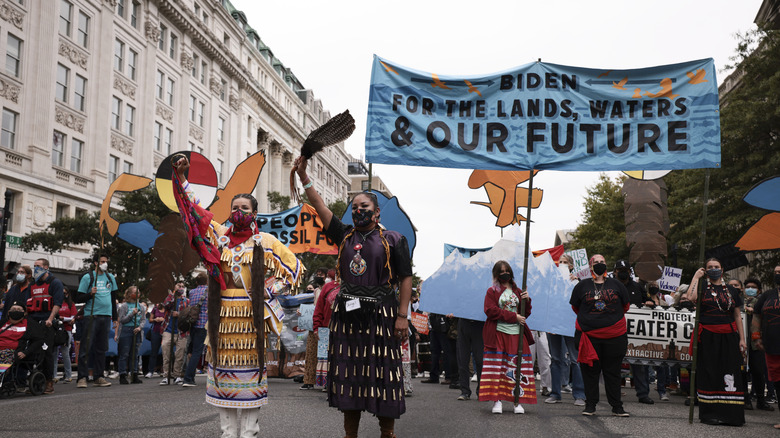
[{"x": 329, "y": 47}]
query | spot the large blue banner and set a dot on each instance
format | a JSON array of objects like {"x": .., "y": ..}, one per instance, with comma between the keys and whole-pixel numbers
[{"x": 546, "y": 116}]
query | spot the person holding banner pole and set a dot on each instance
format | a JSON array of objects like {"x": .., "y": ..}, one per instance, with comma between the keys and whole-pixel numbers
[
  {"x": 502, "y": 367},
  {"x": 369, "y": 320},
  {"x": 721, "y": 348},
  {"x": 600, "y": 304}
]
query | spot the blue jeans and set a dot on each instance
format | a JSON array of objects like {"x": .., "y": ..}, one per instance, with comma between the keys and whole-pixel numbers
[
  {"x": 661, "y": 378},
  {"x": 126, "y": 340},
  {"x": 641, "y": 378},
  {"x": 155, "y": 351},
  {"x": 98, "y": 339},
  {"x": 197, "y": 337},
  {"x": 559, "y": 346}
]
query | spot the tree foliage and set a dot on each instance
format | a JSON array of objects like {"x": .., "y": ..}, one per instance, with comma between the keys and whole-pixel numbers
[
  {"x": 750, "y": 153},
  {"x": 278, "y": 202},
  {"x": 603, "y": 229},
  {"x": 127, "y": 262}
]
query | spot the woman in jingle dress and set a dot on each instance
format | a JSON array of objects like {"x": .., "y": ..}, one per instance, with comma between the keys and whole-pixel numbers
[
  {"x": 722, "y": 346},
  {"x": 368, "y": 322},
  {"x": 237, "y": 257}
]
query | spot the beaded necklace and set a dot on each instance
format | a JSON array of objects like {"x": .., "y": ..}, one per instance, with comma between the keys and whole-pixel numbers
[{"x": 715, "y": 292}]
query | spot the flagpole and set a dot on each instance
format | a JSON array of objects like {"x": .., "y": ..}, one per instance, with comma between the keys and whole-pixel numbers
[
  {"x": 525, "y": 279},
  {"x": 700, "y": 286}
]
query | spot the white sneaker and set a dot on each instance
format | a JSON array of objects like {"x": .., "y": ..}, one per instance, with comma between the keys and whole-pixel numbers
[
  {"x": 496, "y": 407},
  {"x": 552, "y": 400},
  {"x": 566, "y": 389},
  {"x": 148, "y": 376},
  {"x": 474, "y": 377},
  {"x": 519, "y": 409},
  {"x": 164, "y": 382},
  {"x": 179, "y": 381}
]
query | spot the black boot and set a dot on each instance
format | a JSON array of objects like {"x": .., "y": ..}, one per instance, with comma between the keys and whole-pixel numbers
[
  {"x": 123, "y": 379},
  {"x": 748, "y": 403},
  {"x": 763, "y": 405},
  {"x": 136, "y": 379}
]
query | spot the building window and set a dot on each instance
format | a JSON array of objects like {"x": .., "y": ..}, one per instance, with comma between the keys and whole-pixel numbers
[
  {"x": 119, "y": 54},
  {"x": 163, "y": 37},
  {"x": 62, "y": 211},
  {"x": 134, "y": 13},
  {"x": 169, "y": 92},
  {"x": 129, "y": 120},
  {"x": 364, "y": 185},
  {"x": 11, "y": 203},
  {"x": 220, "y": 170},
  {"x": 158, "y": 136},
  {"x": 197, "y": 10},
  {"x": 113, "y": 168},
  {"x": 195, "y": 65},
  {"x": 80, "y": 212},
  {"x": 61, "y": 89},
  {"x": 57, "y": 148},
  {"x": 160, "y": 80},
  {"x": 205, "y": 18},
  {"x": 201, "y": 110},
  {"x": 80, "y": 93},
  {"x": 168, "y": 141},
  {"x": 132, "y": 60},
  {"x": 66, "y": 11},
  {"x": 82, "y": 36},
  {"x": 116, "y": 113},
  {"x": 172, "y": 49},
  {"x": 204, "y": 69},
  {"x": 8, "y": 134},
  {"x": 221, "y": 129},
  {"x": 76, "y": 150},
  {"x": 223, "y": 91},
  {"x": 128, "y": 167},
  {"x": 226, "y": 40},
  {"x": 13, "y": 56},
  {"x": 193, "y": 102},
  {"x": 120, "y": 8}
]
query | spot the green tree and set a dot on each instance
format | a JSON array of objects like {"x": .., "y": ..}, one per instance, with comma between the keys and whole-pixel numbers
[
  {"x": 603, "y": 228},
  {"x": 278, "y": 202},
  {"x": 750, "y": 153},
  {"x": 127, "y": 262}
]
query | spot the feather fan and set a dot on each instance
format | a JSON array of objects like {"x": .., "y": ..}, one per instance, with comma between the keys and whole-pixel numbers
[{"x": 335, "y": 130}]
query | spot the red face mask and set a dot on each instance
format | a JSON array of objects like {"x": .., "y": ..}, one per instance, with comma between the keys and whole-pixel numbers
[{"x": 241, "y": 220}]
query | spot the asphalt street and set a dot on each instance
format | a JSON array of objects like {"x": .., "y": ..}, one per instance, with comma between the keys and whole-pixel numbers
[{"x": 146, "y": 410}]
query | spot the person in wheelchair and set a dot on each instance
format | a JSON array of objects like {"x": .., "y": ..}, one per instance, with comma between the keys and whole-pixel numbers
[{"x": 21, "y": 340}]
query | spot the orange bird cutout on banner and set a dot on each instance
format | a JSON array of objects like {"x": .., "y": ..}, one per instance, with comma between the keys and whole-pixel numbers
[{"x": 505, "y": 197}]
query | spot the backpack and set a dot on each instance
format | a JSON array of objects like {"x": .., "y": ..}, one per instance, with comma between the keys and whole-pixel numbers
[{"x": 188, "y": 316}]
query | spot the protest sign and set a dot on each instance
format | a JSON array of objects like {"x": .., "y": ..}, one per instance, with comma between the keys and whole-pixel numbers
[
  {"x": 581, "y": 266},
  {"x": 322, "y": 343},
  {"x": 670, "y": 279},
  {"x": 299, "y": 229},
  {"x": 420, "y": 322},
  {"x": 546, "y": 116},
  {"x": 306, "y": 318}
]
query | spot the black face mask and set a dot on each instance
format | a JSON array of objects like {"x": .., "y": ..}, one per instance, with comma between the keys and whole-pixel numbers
[
  {"x": 505, "y": 277},
  {"x": 319, "y": 281},
  {"x": 362, "y": 218},
  {"x": 622, "y": 275},
  {"x": 653, "y": 290},
  {"x": 599, "y": 268},
  {"x": 15, "y": 315}
]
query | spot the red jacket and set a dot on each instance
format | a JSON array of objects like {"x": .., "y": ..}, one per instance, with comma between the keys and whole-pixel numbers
[
  {"x": 324, "y": 307},
  {"x": 495, "y": 314}
]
